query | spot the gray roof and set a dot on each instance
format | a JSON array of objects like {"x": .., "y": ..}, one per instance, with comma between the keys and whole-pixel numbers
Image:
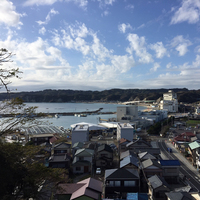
[
  {"x": 129, "y": 160},
  {"x": 121, "y": 174},
  {"x": 60, "y": 158},
  {"x": 158, "y": 182},
  {"x": 149, "y": 162},
  {"x": 179, "y": 196},
  {"x": 146, "y": 155},
  {"x": 62, "y": 145},
  {"x": 127, "y": 153}
]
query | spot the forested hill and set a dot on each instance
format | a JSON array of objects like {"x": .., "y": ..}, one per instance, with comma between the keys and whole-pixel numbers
[{"x": 184, "y": 95}]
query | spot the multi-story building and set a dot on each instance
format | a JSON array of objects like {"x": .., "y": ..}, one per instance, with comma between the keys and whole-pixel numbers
[
  {"x": 127, "y": 113},
  {"x": 125, "y": 130},
  {"x": 169, "y": 102},
  {"x": 80, "y": 133}
]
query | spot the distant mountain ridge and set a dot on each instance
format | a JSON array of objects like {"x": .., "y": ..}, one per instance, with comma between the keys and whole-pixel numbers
[{"x": 122, "y": 95}]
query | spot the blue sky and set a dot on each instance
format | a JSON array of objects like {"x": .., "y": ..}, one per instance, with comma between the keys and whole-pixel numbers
[{"x": 102, "y": 44}]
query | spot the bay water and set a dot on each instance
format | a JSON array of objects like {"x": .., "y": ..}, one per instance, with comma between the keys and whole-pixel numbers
[{"x": 67, "y": 121}]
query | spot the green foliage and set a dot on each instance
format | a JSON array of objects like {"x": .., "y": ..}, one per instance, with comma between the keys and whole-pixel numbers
[
  {"x": 22, "y": 175},
  {"x": 154, "y": 129}
]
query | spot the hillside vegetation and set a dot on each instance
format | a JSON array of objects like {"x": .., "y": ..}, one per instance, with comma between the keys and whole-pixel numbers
[{"x": 122, "y": 95}]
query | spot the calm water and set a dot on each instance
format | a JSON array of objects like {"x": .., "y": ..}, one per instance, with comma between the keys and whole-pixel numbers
[{"x": 66, "y": 121}]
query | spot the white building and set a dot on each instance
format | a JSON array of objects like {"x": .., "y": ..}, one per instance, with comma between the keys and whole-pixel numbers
[
  {"x": 80, "y": 133},
  {"x": 169, "y": 102},
  {"x": 127, "y": 113},
  {"x": 125, "y": 130},
  {"x": 197, "y": 110}
]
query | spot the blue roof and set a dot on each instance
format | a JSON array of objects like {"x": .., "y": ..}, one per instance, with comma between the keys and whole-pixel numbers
[{"x": 170, "y": 162}]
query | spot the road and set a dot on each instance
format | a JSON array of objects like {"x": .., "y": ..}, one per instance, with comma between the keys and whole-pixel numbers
[{"x": 186, "y": 168}]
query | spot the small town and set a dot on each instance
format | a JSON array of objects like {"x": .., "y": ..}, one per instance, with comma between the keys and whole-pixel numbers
[
  {"x": 99, "y": 99},
  {"x": 124, "y": 158}
]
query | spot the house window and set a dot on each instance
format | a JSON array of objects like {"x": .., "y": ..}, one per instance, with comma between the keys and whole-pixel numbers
[
  {"x": 129, "y": 183},
  {"x": 78, "y": 168},
  {"x": 117, "y": 183}
]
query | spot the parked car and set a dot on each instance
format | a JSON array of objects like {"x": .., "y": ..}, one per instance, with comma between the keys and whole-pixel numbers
[
  {"x": 98, "y": 171},
  {"x": 169, "y": 150}
]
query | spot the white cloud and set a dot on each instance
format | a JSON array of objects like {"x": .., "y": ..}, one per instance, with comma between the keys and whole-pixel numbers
[
  {"x": 48, "y": 17},
  {"x": 106, "y": 2},
  {"x": 155, "y": 67},
  {"x": 80, "y": 3},
  {"x": 105, "y": 13},
  {"x": 137, "y": 44},
  {"x": 169, "y": 65},
  {"x": 42, "y": 31},
  {"x": 8, "y": 14},
  {"x": 40, "y": 2},
  {"x": 181, "y": 44},
  {"x": 160, "y": 50},
  {"x": 123, "y": 63},
  {"x": 130, "y": 6},
  {"x": 189, "y": 12},
  {"x": 123, "y": 27}
]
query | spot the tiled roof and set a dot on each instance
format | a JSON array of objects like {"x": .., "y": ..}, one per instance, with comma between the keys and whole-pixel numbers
[
  {"x": 123, "y": 173},
  {"x": 89, "y": 187},
  {"x": 129, "y": 160},
  {"x": 149, "y": 162},
  {"x": 146, "y": 155}
]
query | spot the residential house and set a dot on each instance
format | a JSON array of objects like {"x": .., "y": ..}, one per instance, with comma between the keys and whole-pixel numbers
[
  {"x": 194, "y": 149},
  {"x": 127, "y": 153},
  {"x": 145, "y": 156},
  {"x": 119, "y": 182},
  {"x": 104, "y": 156},
  {"x": 137, "y": 144},
  {"x": 171, "y": 169},
  {"x": 88, "y": 189},
  {"x": 61, "y": 148},
  {"x": 151, "y": 167},
  {"x": 153, "y": 151},
  {"x": 83, "y": 160},
  {"x": 158, "y": 187},
  {"x": 76, "y": 146},
  {"x": 129, "y": 162},
  {"x": 122, "y": 144},
  {"x": 38, "y": 139},
  {"x": 60, "y": 161}
]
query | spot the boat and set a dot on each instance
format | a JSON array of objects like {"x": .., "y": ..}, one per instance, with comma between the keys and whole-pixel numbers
[
  {"x": 82, "y": 115},
  {"x": 57, "y": 116}
]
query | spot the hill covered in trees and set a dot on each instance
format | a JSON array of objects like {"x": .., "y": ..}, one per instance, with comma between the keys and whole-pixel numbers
[{"x": 122, "y": 95}]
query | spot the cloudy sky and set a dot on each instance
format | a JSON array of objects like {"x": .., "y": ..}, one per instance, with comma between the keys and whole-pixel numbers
[{"x": 102, "y": 44}]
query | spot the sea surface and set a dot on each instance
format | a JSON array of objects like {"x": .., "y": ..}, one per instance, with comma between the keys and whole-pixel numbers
[{"x": 67, "y": 121}]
